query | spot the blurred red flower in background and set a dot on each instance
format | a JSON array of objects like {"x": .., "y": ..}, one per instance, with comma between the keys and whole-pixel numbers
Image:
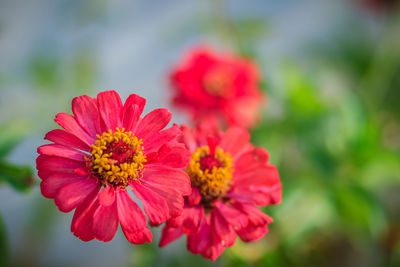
[
  {"x": 218, "y": 85},
  {"x": 230, "y": 178},
  {"x": 107, "y": 148}
]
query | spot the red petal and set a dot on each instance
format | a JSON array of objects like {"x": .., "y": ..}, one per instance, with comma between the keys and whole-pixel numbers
[
  {"x": 161, "y": 138},
  {"x": 107, "y": 196},
  {"x": 105, "y": 218},
  {"x": 213, "y": 251},
  {"x": 130, "y": 118},
  {"x": 255, "y": 215},
  {"x": 110, "y": 107},
  {"x": 243, "y": 111},
  {"x": 253, "y": 159},
  {"x": 188, "y": 138},
  {"x": 87, "y": 114},
  {"x": 72, "y": 195},
  {"x": 258, "y": 223},
  {"x": 263, "y": 176},
  {"x": 134, "y": 99},
  {"x": 64, "y": 138},
  {"x": 154, "y": 205},
  {"x": 46, "y": 165},
  {"x": 223, "y": 230},
  {"x": 167, "y": 178},
  {"x": 234, "y": 140},
  {"x": 194, "y": 198},
  {"x": 54, "y": 181},
  {"x": 232, "y": 215},
  {"x": 258, "y": 195},
  {"x": 253, "y": 233},
  {"x": 69, "y": 123},
  {"x": 61, "y": 151},
  {"x": 82, "y": 222},
  {"x": 173, "y": 155},
  {"x": 132, "y": 219},
  {"x": 170, "y": 234},
  {"x": 192, "y": 217},
  {"x": 173, "y": 199},
  {"x": 152, "y": 123},
  {"x": 200, "y": 241}
]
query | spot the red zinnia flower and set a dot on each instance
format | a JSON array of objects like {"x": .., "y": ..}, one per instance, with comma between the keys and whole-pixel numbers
[
  {"x": 230, "y": 178},
  {"x": 106, "y": 148},
  {"x": 221, "y": 85}
]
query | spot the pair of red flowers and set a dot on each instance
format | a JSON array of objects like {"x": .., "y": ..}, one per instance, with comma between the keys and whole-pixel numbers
[{"x": 204, "y": 183}]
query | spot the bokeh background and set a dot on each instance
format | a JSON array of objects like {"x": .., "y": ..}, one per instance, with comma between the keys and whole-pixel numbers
[{"x": 331, "y": 71}]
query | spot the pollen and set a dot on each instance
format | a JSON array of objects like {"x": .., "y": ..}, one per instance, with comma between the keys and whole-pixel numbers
[
  {"x": 211, "y": 173},
  {"x": 117, "y": 158}
]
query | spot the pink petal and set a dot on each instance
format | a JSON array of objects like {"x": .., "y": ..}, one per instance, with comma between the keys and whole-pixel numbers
[
  {"x": 258, "y": 223},
  {"x": 194, "y": 198},
  {"x": 132, "y": 110},
  {"x": 265, "y": 176},
  {"x": 172, "y": 197},
  {"x": 189, "y": 139},
  {"x": 110, "y": 107},
  {"x": 87, "y": 114},
  {"x": 223, "y": 230},
  {"x": 161, "y": 138},
  {"x": 234, "y": 140},
  {"x": 61, "y": 151},
  {"x": 130, "y": 117},
  {"x": 46, "y": 165},
  {"x": 82, "y": 222},
  {"x": 200, "y": 241},
  {"x": 258, "y": 195},
  {"x": 213, "y": 251},
  {"x": 253, "y": 233},
  {"x": 54, "y": 181},
  {"x": 132, "y": 100},
  {"x": 176, "y": 221},
  {"x": 105, "y": 218},
  {"x": 72, "y": 195},
  {"x": 64, "y": 138},
  {"x": 255, "y": 215},
  {"x": 69, "y": 123},
  {"x": 152, "y": 123},
  {"x": 154, "y": 205},
  {"x": 192, "y": 217},
  {"x": 232, "y": 215},
  {"x": 170, "y": 234},
  {"x": 107, "y": 196},
  {"x": 216, "y": 247},
  {"x": 172, "y": 155},
  {"x": 252, "y": 159},
  {"x": 167, "y": 178},
  {"x": 132, "y": 219},
  {"x": 243, "y": 111}
]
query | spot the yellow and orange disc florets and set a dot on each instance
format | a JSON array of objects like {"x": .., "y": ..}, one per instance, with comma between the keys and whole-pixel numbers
[
  {"x": 211, "y": 174},
  {"x": 117, "y": 158}
]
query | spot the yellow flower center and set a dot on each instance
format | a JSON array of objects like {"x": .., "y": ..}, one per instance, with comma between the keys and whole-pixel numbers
[
  {"x": 117, "y": 158},
  {"x": 211, "y": 174}
]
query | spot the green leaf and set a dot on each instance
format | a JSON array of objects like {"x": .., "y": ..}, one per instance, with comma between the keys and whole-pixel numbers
[{"x": 19, "y": 177}]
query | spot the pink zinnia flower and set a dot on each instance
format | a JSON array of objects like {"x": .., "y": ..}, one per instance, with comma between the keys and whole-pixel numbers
[
  {"x": 220, "y": 85},
  {"x": 230, "y": 178},
  {"x": 106, "y": 149}
]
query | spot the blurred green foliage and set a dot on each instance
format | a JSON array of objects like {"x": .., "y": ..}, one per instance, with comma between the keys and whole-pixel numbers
[
  {"x": 332, "y": 126},
  {"x": 19, "y": 177}
]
